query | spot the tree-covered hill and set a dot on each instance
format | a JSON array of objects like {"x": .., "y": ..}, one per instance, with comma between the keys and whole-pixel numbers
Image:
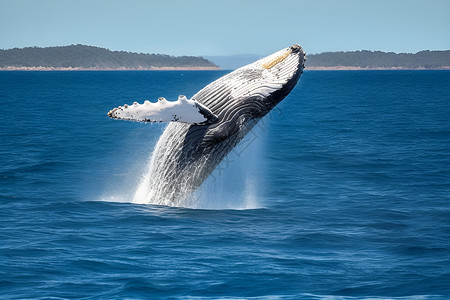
[
  {"x": 378, "y": 59},
  {"x": 89, "y": 57},
  {"x": 95, "y": 58}
]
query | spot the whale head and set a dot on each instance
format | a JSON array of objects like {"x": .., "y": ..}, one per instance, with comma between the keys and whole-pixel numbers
[
  {"x": 247, "y": 94},
  {"x": 255, "y": 89},
  {"x": 278, "y": 73},
  {"x": 285, "y": 68}
]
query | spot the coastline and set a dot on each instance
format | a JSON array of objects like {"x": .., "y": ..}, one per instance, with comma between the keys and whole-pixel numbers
[
  {"x": 40, "y": 68},
  {"x": 199, "y": 68},
  {"x": 350, "y": 68}
]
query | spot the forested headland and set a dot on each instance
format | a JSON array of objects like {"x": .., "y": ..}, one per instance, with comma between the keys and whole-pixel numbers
[
  {"x": 379, "y": 60},
  {"x": 82, "y": 57}
]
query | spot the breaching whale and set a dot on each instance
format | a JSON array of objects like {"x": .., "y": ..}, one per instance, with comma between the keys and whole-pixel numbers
[{"x": 205, "y": 128}]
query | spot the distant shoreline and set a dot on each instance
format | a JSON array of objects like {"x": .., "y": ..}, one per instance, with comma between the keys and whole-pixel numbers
[
  {"x": 90, "y": 58},
  {"x": 311, "y": 68},
  {"x": 349, "y": 68},
  {"x": 12, "y": 68}
]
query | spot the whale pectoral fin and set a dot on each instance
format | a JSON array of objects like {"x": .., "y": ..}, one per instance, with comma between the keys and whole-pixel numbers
[{"x": 182, "y": 110}]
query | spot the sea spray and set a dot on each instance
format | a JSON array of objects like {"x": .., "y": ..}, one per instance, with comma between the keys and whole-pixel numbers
[{"x": 232, "y": 185}]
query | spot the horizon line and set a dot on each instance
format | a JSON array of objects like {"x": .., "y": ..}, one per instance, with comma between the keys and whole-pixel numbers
[{"x": 218, "y": 55}]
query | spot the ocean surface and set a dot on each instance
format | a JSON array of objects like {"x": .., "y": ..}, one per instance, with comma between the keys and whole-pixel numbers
[{"x": 341, "y": 192}]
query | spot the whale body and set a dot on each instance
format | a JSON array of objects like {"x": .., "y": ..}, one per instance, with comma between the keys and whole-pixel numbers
[{"x": 205, "y": 128}]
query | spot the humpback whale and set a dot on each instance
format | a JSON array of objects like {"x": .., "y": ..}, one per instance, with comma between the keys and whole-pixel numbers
[{"x": 205, "y": 128}]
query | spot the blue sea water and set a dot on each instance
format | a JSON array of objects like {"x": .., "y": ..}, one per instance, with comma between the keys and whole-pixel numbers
[{"x": 342, "y": 192}]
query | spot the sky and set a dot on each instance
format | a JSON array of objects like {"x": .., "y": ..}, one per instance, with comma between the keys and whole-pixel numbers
[{"x": 227, "y": 27}]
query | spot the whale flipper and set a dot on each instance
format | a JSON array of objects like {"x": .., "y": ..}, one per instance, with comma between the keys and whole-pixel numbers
[{"x": 183, "y": 110}]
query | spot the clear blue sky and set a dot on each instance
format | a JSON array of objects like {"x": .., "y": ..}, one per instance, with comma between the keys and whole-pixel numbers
[{"x": 201, "y": 27}]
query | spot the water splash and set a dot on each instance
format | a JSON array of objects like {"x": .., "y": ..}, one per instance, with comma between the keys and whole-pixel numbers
[
  {"x": 144, "y": 194},
  {"x": 234, "y": 184}
]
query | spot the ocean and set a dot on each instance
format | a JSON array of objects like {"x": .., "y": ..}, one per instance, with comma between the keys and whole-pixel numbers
[{"x": 342, "y": 192}]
